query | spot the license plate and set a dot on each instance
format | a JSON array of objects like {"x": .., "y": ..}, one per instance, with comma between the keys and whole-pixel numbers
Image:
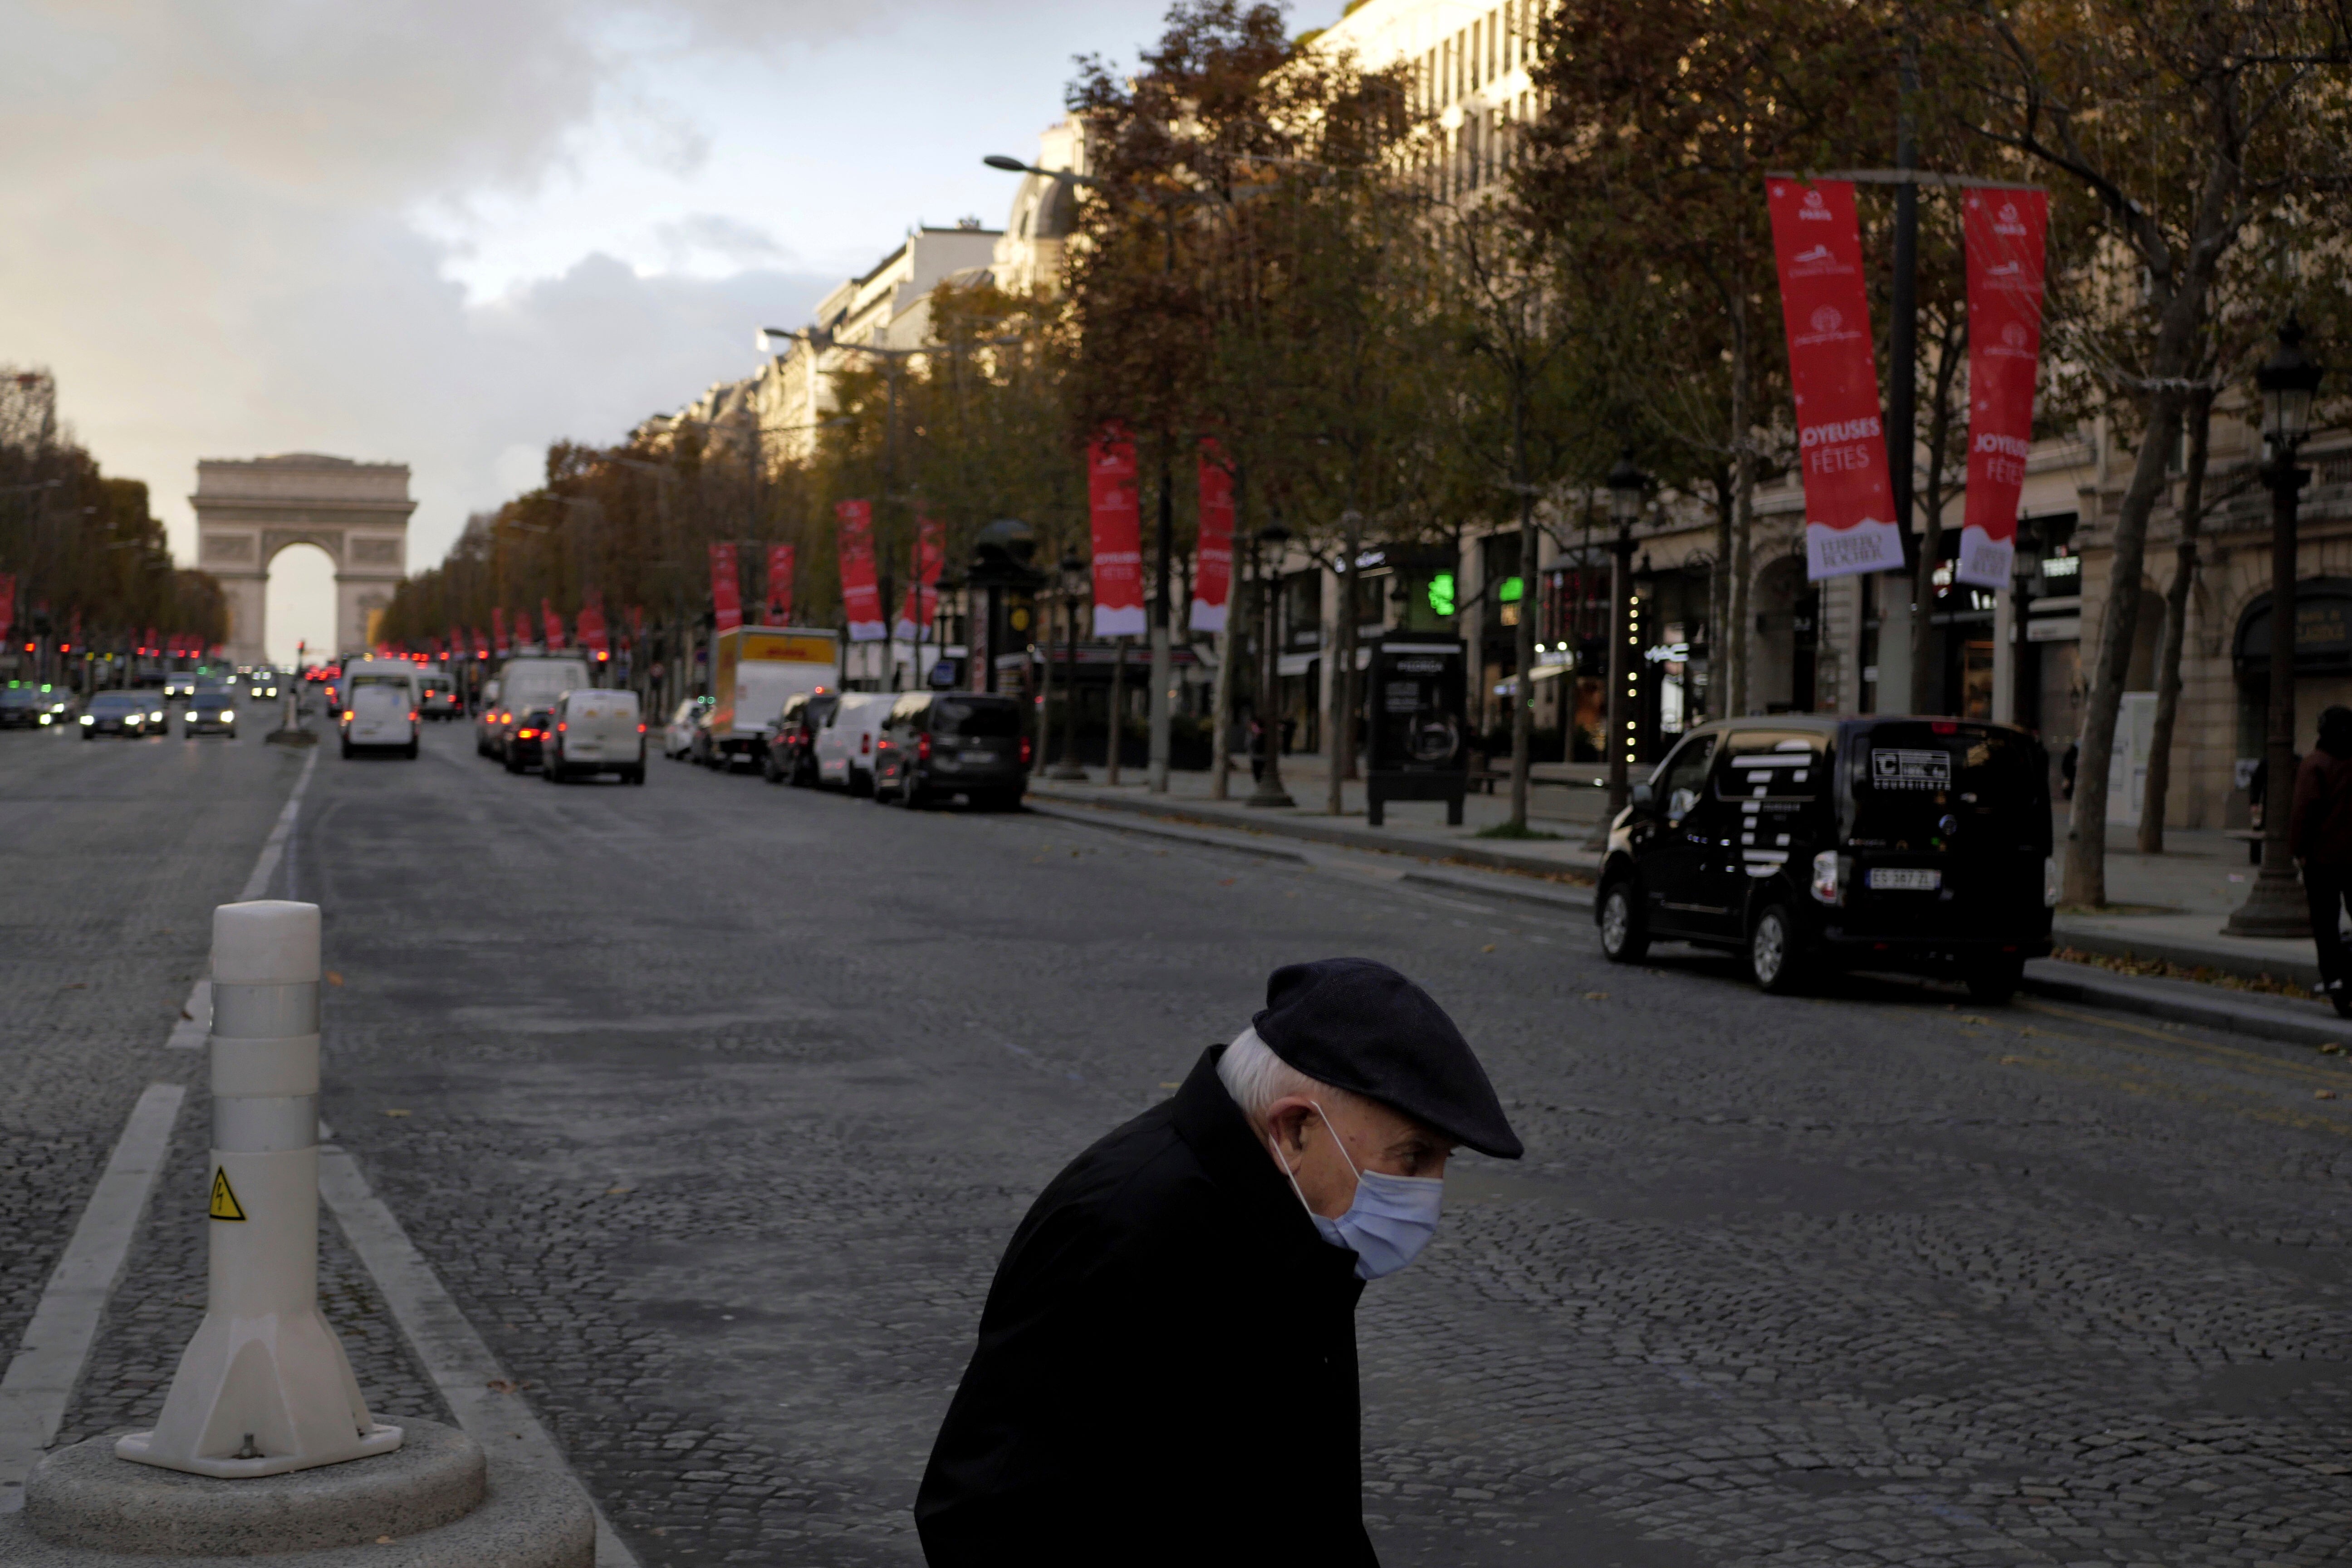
[{"x": 1895, "y": 879}]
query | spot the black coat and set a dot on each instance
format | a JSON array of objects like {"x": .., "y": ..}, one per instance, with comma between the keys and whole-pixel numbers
[{"x": 1166, "y": 1371}]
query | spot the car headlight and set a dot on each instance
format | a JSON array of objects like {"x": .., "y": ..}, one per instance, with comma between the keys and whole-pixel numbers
[
  {"x": 45, "y": 718},
  {"x": 156, "y": 717},
  {"x": 87, "y": 720},
  {"x": 228, "y": 717}
]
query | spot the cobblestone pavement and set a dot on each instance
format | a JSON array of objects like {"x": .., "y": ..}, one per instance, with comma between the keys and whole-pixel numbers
[{"x": 714, "y": 1103}]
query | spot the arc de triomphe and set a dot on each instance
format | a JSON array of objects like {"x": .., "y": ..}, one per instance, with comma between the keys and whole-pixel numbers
[{"x": 248, "y": 509}]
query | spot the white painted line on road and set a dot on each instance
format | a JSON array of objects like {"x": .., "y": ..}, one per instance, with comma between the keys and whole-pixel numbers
[
  {"x": 195, "y": 1019},
  {"x": 41, "y": 1376},
  {"x": 481, "y": 1395},
  {"x": 273, "y": 849}
]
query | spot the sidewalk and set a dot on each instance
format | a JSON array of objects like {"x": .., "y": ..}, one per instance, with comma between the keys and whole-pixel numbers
[{"x": 2173, "y": 906}]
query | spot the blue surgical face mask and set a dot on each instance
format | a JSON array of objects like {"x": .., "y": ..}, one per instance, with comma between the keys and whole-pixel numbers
[{"x": 1390, "y": 1219}]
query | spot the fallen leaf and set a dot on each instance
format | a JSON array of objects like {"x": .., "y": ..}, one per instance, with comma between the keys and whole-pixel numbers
[
  {"x": 1488, "y": 948},
  {"x": 1228, "y": 881},
  {"x": 384, "y": 1540},
  {"x": 1972, "y": 1018},
  {"x": 191, "y": 1017},
  {"x": 333, "y": 978},
  {"x": 78, "y": 985},
  {"x": 396, "y": 1113},
  {"x": 2012, "y": 1061},
  {"x": 615, "y": 1191},
  {"x": 2322, "y": 1094},
  {"x": 502, "y": 1385},
  {"x": 1596, "y": 997},
  {"x": 2331, "y": 1049}
]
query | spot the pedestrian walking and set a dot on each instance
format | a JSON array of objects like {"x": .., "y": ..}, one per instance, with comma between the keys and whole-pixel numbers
[
  {"x": 2319, "y": 834},
  {"x": 1166, "y": 1367}
]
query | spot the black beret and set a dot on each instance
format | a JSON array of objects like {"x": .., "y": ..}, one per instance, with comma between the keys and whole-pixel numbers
[{"x": 1360, "y": 1025}]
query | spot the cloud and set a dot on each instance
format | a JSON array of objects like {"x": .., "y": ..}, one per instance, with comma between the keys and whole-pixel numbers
[
  {"x": 713, "y": 235},
  {"x": 215, "y": 240}
]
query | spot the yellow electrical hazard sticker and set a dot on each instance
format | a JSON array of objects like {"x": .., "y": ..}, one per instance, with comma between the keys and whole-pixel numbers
[{"x": 225, "y": 1204}]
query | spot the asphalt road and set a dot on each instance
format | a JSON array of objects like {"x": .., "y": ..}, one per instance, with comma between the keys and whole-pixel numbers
[{"x": 713, "y": 1103}]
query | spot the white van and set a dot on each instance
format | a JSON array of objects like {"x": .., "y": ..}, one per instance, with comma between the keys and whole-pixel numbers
[
  {"x": 596, "y": 732},
  {"x": 844, "y": 747},
  {"x": 525, "y": 683},
  {"x": 379, "y": 712}
]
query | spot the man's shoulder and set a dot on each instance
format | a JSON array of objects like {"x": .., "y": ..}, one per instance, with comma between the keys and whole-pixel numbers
[{"x": 1136, "y": 1174}]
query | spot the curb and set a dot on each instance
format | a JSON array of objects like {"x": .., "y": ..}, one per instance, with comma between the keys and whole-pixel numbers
[
  {"x": 2244, "y": 966},
  {"x": 2185, "y": 1001},
  {"x": 1318, "y": 833}
]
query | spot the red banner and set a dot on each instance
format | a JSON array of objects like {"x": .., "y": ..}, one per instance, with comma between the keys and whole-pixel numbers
[
  {"x": 591, "y": 624},
  {"x": 780, "y": 585},
  {"x": 7, "y": 603},
  {"x": 725, "y": 588},
  {"x": 861, "y": 600},
  {"x": 1113, "y": 506},
  {"x": 481, "y": 644},
  {"x": 1212, "y": 575},
  {"x": 931, "y": 550},
  {"x": 1850, "y": 523},
  {"x": 554, "y": 623},
  {"x": 2004, "y": 230},
  {"x": 499, "y": 630}
]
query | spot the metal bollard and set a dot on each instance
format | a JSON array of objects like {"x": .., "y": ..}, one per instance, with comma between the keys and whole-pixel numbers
[{"x": 264, "y": 1386}]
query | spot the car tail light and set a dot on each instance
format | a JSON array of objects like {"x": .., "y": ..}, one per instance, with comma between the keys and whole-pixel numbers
[
  {"x": 1025, "y": 750},
  {"x": 923, "y": 748},
  {"x": 1943, "y": 727},
  {"x": 1829, "y": 877},
  {"x": 411, "y": 715},
  {"x": 563, "y": 728},
  {"x": 641, "y": 729},
  {"x": 347, "y": 715},
  {"x": 864, "y": 744},
  {"x": 525, "y": 734}
]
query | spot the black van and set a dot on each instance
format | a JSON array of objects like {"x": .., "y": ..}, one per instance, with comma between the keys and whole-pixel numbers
[
  {"x": 938, "y": 743},
  {"x": 1920, "y": 844}
]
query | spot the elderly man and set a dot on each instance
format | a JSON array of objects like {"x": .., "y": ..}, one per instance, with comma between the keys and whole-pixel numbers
[{"x": 1166, "y": 1371}]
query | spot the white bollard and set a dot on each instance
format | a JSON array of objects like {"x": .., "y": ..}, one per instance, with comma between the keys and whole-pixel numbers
[{"x": 263, "y": 1387}]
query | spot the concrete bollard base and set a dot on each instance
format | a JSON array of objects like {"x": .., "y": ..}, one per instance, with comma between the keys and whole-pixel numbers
[{"x": 439, "y": 1502}]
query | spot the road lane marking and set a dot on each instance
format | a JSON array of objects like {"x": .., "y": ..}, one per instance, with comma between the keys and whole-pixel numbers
[
  {"x": 47, "y": 1363},
  {"x": 481, "y": 1395},
  {"x": 273, "y": 849},
  {"x": 196, "y": 1020}
]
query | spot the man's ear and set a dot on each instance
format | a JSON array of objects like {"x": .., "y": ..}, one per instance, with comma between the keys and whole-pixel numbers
[{"x": 1285, "y": 1120}]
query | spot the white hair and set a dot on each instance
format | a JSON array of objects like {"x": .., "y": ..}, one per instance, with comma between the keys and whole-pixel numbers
[{"x": 1257, "y": 1078}]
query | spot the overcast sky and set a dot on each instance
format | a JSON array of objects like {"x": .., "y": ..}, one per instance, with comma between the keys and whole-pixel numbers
[{"x": 446, "y": 232}]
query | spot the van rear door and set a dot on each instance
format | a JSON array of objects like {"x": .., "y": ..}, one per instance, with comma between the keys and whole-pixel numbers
[{"x": 1949, "y": 827}]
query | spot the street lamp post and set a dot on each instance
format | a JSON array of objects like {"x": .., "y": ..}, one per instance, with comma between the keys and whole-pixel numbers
[
  {"x": 1269, "y": 791},
  {"x": 1073, "y": 578},
  {"x": 1628, "y": 488},
  {"x": 2288, "y": 379}
]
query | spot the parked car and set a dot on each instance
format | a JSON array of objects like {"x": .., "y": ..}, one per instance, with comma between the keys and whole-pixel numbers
[
  {"x": 790, "y": 756},
  {"x": 437, "y": 698},
  {"x": 210, "y": 713},
  {"x": 845, "y": 746},
  {"x": 488, "y": 721},
  {"x": 125, "y": 713},
  {"x": 1919, "y": 845},
  {"x": 526, "y": 740},
  {"x": 677, "y": 735},
  {"x": 379, "y": 711},
  {"x": 594, "y": 732},
  {"x": 934, "y": 745}
]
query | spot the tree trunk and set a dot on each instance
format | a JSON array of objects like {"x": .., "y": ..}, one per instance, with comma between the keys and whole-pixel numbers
[
  {"x": 1926, "y": 677},
  {"x": 1239, "y": 602},
  {"x": 2176, "y": 624},
  {"x": 1118, "y": 698},
  {"x": 1045, "y": 687},
  {"x": 1338, "y": 732},
  {"x": 1743, "y": 520},
  {"x": 2087, "y": 833},
  {"x": 1718, "y": 598},
  {"x": 1523, "y": 687}
]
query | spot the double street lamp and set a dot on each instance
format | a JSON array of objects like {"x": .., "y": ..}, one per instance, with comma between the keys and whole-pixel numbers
[{"x": 2288, "y": 379}]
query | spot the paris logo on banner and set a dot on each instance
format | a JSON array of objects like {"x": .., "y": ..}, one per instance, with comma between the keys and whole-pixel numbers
[
  {"x": 861, "y": 600},
  {"x": 930, "y": 551},
  {"x": 780, "y": 585},
  {"x": 2004, "y": 230},
  {"x": 590, "y": 626},
  {"x": 1850, "y": 523},
  {"x": 554, "y": 623},
  {"x": 1112, "y": 505},
  {"x": 498, "y": 628},
  {"x": 1212, "y": 576},
  {"x": 726, "y": 589}
]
